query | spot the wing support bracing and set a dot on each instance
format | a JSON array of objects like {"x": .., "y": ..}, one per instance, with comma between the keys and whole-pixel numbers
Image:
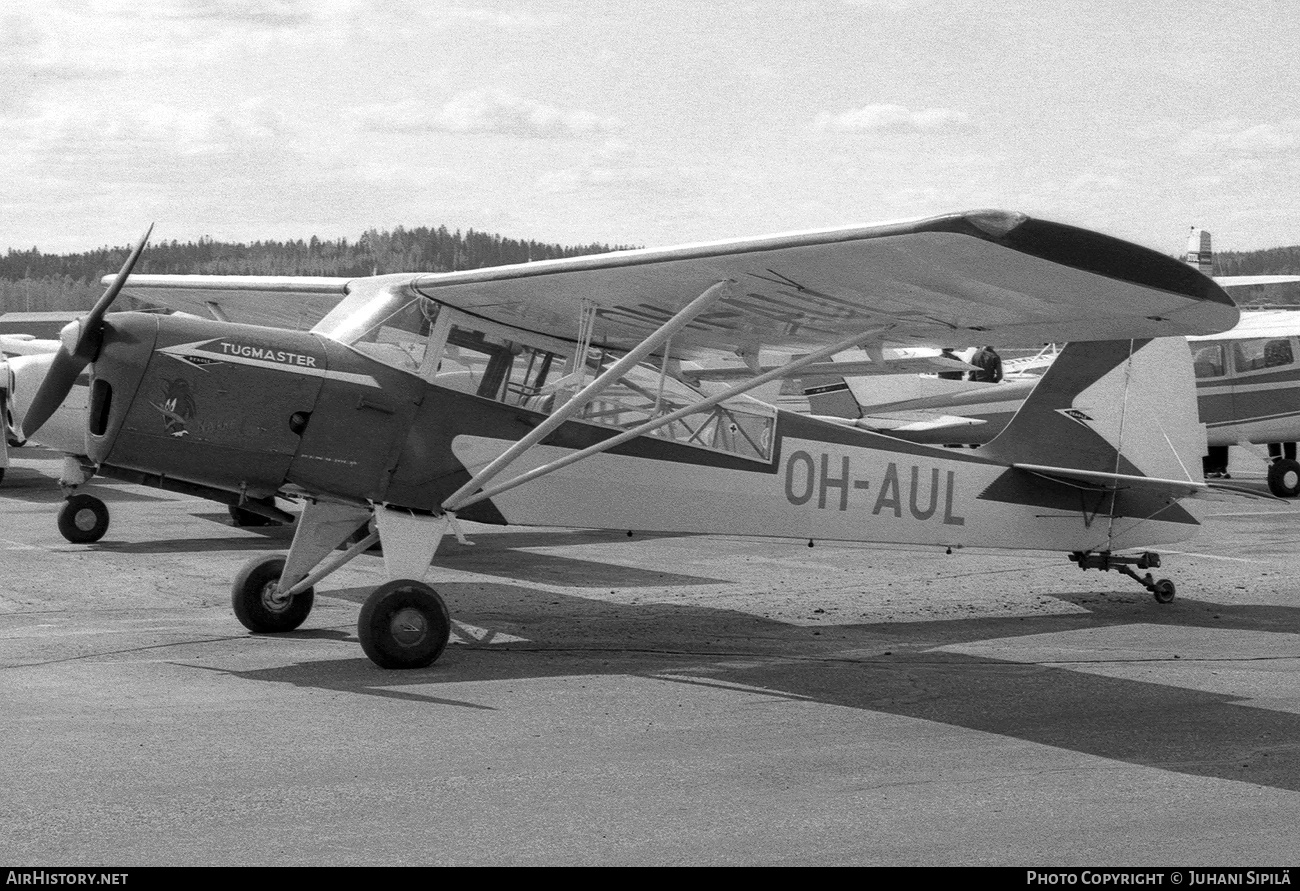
[
  {"x": 459, "y": 501},
  {"x": 575, "y": 403}
]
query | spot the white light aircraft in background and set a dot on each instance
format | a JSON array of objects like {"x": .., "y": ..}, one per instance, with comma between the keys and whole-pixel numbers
[{"x": 1247, "y": 384}]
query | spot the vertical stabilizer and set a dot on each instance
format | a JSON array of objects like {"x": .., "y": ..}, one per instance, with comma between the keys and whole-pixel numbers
[
  {"x": 1118, "y": 407},
  {"x": 1200, "y": 255},
  {"x": 831, "y": 397}
]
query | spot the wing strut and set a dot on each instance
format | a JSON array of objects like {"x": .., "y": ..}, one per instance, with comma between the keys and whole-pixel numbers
[
  {"x": 611, "y": 375},
  {"x": 459, "y": 501}
]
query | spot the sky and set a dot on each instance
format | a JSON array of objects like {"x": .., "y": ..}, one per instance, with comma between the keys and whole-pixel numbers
[{"x": 645, "y": 124}]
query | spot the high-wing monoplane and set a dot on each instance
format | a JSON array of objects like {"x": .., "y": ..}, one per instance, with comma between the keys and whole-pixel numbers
[{"x": 552, "y": 393}]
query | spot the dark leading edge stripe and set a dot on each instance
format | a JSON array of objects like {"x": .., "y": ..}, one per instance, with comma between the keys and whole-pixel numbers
[{"x": 1092, "y": 252}]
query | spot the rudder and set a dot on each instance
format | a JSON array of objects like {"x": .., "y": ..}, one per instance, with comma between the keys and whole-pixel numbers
[{"x": 1121, "y": 406}]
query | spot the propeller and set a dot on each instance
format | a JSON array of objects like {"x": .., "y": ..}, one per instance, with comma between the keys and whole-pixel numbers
[{"x": 80, "y": 341}]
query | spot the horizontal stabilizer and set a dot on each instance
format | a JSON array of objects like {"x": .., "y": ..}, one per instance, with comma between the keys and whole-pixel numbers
[
  {"x": 1096, "y": 479},
  {"x": 901, "y": 423},
  {"x": 1220, "y": 491}
]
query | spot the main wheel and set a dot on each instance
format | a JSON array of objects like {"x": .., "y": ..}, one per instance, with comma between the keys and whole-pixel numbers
[
  {"x": 83, "y": 519},
  {"x": 253, "y": 597},
  {"x": 1284, "y": 478},
  {"x": 1163, "y": 591},
  {"x": 404, "y": 624}
]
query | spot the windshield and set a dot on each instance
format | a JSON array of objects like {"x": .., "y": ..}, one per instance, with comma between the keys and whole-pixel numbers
[{"x": 394, "y": 330}]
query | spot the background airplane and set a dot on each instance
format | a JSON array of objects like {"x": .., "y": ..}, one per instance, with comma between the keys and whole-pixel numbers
[
  {"x": 83, "y": 517},
  {"x": 1247, "y": 384},
  {"x": 377, "y": 415}
]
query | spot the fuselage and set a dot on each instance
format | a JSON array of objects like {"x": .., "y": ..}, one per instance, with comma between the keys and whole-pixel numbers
[{"x": 260, "y": 411}]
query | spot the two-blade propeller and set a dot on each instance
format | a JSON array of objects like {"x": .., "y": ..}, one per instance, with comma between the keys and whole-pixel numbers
[{"x": 81, "y": 341}]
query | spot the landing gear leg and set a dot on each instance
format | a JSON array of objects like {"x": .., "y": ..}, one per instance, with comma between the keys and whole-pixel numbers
[
  {"x": 1162, "y": 590},
  {"x": 403, "y": 624},
  {"x": 83, "y": 518}
]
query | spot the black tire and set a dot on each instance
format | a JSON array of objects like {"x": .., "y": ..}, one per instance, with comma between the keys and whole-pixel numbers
[
  {"x": 1284, "y": 478},
  {"x": 83, "y": 519},
  {"x": 404, "y": 624},
  {"x": 251, "y": 597},
  {"x": 241, "y": 517},
  {"x": 1163, "y": 591}
]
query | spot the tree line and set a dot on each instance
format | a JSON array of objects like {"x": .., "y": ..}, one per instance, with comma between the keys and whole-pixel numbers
[
  {"x": 1269, "y": 261},
  {"x": 34, "y": 281}
]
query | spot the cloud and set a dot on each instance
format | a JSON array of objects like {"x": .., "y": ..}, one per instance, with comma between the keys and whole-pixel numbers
[
  {"x": 887, "y": 5},
  {"x": 1239, "y": 138},
  {"x": 263, "y": 13},
  {"x": 885, "y": 118},
  {"x": 88, "y": 142},
  {"x": 487, "y": 111},
  {"x": 505, "y": 19}
]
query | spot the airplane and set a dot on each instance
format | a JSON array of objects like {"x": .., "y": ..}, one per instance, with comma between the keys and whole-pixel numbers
[
  {"x": 83, "y": 518},
  {"x": 297, "y": 304},
  {"x": 29, "y": 356},
  {"x": 1247, "y": 382},
  {"x": 378, "y": 415}
]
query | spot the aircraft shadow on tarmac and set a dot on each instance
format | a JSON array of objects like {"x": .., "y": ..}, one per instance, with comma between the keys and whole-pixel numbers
[
  {"x": 893, "y": 668},
  {"x": 498, "y": 554},
  {"x": 35, "y": 487},
  {"x": 268, "y": 538}
]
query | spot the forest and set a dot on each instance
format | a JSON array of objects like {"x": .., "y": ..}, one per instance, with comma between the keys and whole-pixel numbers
[
  {"x": 1269, "y": 261},
  {"x": 33, "y": 281}
]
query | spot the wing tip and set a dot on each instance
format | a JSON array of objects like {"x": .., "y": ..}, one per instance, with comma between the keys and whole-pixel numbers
[{"x": 998, "y": 223}]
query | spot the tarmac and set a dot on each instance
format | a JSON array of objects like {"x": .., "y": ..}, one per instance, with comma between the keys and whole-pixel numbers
[{"x": 647, "y": 700}]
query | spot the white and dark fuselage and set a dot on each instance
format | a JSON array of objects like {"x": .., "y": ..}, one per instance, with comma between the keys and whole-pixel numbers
[{"x": 240, "y": 408}]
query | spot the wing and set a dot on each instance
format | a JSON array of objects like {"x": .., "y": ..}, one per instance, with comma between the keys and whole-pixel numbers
[
  {"x": 1261, "y": 323},
  {"x": 861, "y": 368},
  {"x": 296, "y": 302},
  {"x": 1231, "y": 282},
  {"x": 26, "y": 345},
  {"x": 957, "y": 280},
  {"x": 1260, "y": 290}
]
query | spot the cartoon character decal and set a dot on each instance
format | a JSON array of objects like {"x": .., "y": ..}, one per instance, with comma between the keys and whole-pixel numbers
[{"x": 177, "y": 407}]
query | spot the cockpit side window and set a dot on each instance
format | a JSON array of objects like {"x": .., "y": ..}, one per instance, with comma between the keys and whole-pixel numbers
[
  {"x": 1207, "y": 360},
  {"x": 453, "y": 349},
  {"x": 494, "y": 368},
  {"x": 1262, "y": 352}
]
